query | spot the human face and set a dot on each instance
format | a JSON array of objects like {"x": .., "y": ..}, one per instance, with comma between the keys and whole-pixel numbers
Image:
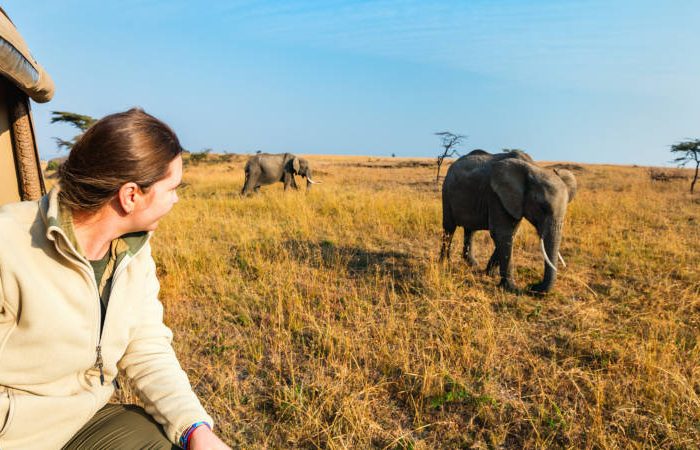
[{"x": 157, "y": 201}]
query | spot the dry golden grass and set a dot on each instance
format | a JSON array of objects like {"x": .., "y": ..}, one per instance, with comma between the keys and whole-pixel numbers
[{"x": 323, "y": 320}]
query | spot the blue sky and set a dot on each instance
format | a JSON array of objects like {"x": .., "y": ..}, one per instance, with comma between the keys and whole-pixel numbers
[{"x": 588, "y": 81}]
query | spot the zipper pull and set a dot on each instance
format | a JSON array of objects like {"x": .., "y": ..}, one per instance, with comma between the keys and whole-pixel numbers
[{"x": 99, "y": 364}]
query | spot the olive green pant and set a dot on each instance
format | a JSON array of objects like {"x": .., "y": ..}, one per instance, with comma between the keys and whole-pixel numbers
[{"x": 120, "y": 427}]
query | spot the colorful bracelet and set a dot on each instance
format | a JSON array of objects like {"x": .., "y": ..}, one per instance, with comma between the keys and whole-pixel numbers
[{"x": 185, "y": 438}]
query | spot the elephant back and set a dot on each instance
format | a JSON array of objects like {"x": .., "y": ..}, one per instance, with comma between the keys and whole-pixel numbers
[{"x": 472, "y": 171}]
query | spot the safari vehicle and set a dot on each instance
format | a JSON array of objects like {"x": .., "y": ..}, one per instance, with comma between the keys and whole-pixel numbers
[{"x": 21, "y": 78}]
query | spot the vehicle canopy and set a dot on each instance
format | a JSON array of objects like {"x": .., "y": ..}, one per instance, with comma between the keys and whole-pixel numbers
[{"x": 21, "y": 78}]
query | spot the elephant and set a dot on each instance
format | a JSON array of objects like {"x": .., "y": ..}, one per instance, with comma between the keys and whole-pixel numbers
[
  {"x": 484, "y": 191},
  {"x": 267, "y": 168}
]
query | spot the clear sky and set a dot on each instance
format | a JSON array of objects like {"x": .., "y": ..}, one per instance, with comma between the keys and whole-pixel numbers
[{"x": 587, "y": 81}]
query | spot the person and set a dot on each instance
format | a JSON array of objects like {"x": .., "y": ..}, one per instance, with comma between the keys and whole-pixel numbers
[{"x": 79, "y": 301}]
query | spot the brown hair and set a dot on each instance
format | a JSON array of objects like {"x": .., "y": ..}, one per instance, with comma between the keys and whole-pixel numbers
[{"x": 130, "y": 146}]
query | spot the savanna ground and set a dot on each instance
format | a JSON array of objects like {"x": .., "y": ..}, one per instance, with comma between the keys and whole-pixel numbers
[{"x": 324, "y": 320}]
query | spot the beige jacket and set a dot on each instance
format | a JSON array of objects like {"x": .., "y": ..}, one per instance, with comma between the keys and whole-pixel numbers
[{"x": 50, "y": 335}]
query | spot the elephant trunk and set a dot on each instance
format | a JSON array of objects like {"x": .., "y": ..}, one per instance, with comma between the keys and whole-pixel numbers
[{"x": 550, "y": 239}]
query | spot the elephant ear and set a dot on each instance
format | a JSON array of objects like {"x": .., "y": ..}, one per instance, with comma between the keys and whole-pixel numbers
[
  {"x": 295, "y": 164},
  {"x": 569, "y": 180},
  {"x": 508, "y": 181}
]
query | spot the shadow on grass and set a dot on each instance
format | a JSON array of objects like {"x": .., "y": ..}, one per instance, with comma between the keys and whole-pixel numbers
[
  {"x": 359, "y": 262},
  {"x": 404, "y": 270}
]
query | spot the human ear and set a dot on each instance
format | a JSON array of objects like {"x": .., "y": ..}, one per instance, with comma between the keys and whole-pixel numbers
[{"x": 127, "y": 196}]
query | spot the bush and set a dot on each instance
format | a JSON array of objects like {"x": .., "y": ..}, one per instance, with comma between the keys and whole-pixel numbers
[{"x": 197, "y": 157}]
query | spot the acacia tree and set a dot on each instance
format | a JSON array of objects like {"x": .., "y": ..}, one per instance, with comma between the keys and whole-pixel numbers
[
  {"x": 689, "y": 151},
  {"x": 449, "y": 142},
  {"x": 80, "y": 121}
]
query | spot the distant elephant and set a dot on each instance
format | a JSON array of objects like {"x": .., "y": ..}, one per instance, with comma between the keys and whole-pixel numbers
[
  {"x": 267, "y": 168},
  {"x": 483, "y": 191}
]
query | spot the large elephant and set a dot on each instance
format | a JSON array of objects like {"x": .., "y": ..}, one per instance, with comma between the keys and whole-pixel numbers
[
  {"x": 267, "y": 168},
  {"x": 483, "y": 191}
]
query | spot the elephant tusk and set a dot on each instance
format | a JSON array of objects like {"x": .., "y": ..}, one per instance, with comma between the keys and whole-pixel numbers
[
  {"x": 312, "y": 181},
  {"x": 562, "y": 260},
  {"x": 546, "y": 258}
]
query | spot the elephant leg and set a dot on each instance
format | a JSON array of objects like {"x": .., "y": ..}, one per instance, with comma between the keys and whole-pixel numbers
[
  {"x": 467, "y": 248},
  {"x": 289, "y": 181},
  {"x": 494, "y": 260},
  {"x": 493, "y": 263},
  {"x": 249, "y": 185},
  {"x": 504, "y": 248}
]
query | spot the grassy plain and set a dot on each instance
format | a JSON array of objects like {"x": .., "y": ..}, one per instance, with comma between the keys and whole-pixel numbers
[{"x": 323, "y": 320}]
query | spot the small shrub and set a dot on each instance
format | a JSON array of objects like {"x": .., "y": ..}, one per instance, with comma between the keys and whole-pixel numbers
[
  {"x": 664, "y": 176},
  {"x": 198, "y": 157}
]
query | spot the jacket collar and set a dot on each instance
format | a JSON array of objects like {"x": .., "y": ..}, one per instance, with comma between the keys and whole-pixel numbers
[{"x": 55, "y": 217}]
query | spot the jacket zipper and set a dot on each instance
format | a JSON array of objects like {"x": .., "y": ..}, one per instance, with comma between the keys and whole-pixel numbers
[{"x": 99, "y": 362}]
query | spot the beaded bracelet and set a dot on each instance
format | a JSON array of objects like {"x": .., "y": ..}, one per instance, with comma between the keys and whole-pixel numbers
[{"x": 185, "y": 438}]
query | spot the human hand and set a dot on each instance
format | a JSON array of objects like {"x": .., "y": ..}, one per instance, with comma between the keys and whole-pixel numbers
[{"x": 203, "y": 438}]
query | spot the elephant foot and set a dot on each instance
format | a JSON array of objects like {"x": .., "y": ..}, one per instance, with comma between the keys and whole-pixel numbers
[
  {"x": 538, "y": 289},
  {"x": 507, "y": 285}
]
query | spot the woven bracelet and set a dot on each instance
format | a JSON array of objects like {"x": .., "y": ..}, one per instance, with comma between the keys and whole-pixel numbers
[{"x": 185, "y": 438}]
